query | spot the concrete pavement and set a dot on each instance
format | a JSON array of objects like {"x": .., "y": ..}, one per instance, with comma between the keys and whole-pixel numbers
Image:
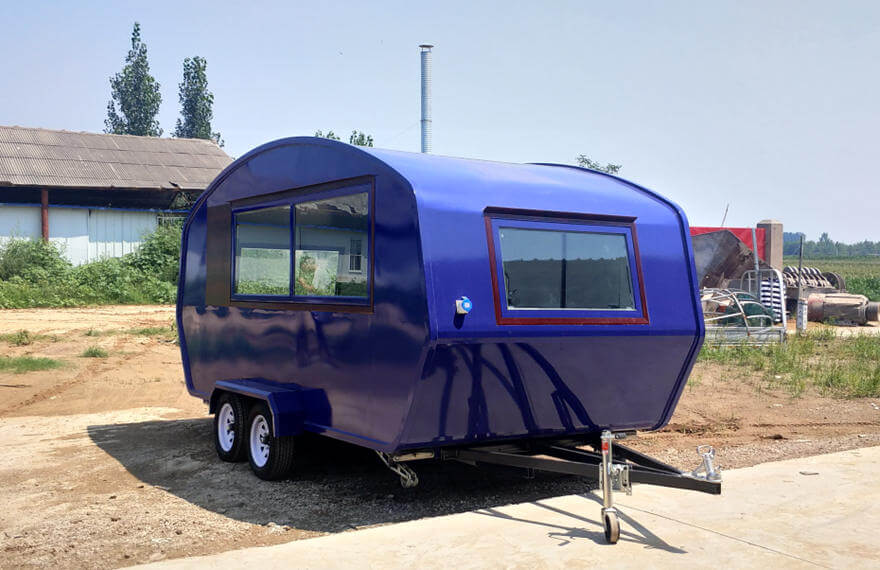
[{"x": 821, "y": 511}]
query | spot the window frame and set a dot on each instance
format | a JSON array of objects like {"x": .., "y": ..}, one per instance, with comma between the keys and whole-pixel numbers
[
  {"x": 495, "y": 218},
  {"x": 292, "y": 197}
]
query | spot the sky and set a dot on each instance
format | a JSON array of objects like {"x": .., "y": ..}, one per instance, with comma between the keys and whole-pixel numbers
[{"x": 768, "y": 107}]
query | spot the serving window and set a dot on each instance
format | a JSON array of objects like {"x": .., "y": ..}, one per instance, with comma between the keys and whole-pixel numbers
[
  {"x": 262, "y": 252},
  {"x": 304, "y": 247},
  {"x": 328, "y": 259},
  {"x": 551, "y": 269}
]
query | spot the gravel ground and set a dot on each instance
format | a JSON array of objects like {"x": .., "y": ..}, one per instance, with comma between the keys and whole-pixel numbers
[{"x": 108, "y": 462}]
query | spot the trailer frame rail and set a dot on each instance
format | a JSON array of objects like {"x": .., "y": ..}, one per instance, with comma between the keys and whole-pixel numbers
[{"x": 598, "y": 463}]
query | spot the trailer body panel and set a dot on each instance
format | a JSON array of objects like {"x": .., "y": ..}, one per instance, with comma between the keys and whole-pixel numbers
[{"x": 396, "y": 367}]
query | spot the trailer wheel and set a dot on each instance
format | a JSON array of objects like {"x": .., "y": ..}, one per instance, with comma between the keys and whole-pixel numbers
[
  {"x": 612, "y": 526},
  {"x": 271, "y": 457},
  {"x": 229, "y": 430}
]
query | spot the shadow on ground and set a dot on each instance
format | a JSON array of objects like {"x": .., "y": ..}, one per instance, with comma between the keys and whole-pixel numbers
[
  {"x": 335, "y": 486},
  {"x": 590, "y": 526}
]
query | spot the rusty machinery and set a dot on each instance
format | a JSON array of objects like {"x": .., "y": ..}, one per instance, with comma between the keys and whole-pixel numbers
[{"x": 724, "y": 262}]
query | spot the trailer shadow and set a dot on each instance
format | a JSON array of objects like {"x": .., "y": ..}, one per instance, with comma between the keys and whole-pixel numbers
[{"x": 335, "y": 486}]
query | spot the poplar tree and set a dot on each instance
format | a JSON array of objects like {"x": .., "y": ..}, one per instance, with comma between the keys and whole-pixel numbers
[
  {"x": 196, "y": 103},
  {"x": 135, "y": 93}
]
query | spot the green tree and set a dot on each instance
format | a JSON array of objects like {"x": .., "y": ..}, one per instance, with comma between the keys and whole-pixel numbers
[
  {"x": 330, "y": 135},
  {"x": 586, "y": 162},
  {"x": 196, "y": 103},
  {"x": 136, "y": 93},
  {"x": 357, "y": 138},
  {"x": 360, "y": 139}
]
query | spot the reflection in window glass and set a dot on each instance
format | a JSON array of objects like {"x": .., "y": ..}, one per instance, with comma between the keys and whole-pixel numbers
[
  {"x": 548, "y": 269},
  {"x": 331, "y": 238},
  {"x": 262, "y": 252}
]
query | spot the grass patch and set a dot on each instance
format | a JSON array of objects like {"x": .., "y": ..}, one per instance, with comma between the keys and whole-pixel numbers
[
  {"x": 22, "y": 364},
  {"x": 25, "y": 337},
  {"x": 167, "y": 333},
  {"x": 836, "y": 366},
  {"x": 19, "y": 338},
  {"x": 94, "y": 352},
  {"x": 164, "y": 332}
]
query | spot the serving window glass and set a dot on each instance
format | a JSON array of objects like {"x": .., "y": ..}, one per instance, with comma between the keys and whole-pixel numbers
[
  {"x": 304, "y": 247},
  {"x": 555, "y": 270},
  {"x": 262, "y": 252},
  {"x": 328, "y": 260}
]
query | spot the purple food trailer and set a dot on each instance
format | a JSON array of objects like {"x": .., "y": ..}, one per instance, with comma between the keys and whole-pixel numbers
[{"x": 429, "y": 307}]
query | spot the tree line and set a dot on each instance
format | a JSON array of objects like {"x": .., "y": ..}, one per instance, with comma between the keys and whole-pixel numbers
[{"x": 826, "y": 247}]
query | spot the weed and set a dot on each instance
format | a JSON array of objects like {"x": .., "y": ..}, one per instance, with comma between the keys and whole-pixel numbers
[
  {"x": 21, "y": 364},
  {"x": 94, "y": 352},
  {"x": 93, "y": 332},
  {"x": 20, "y": 338},
  {"x": 842, "y": 367},
  {"x": 168, "y": 333}
]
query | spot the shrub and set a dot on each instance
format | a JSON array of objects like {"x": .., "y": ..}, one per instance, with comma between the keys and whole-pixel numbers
[
  {"x": 159, "y": 254},
  {"x": 31, "y": 258},
  {"x": 35, "y": 274}
]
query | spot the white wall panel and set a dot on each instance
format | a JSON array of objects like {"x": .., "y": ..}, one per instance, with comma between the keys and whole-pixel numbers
[
  {"x": 84, "y": 235},
  {"x": 19, "y": 221},
  {"x": 69, "y": 229},
  {"x": 113, "y": 233}
]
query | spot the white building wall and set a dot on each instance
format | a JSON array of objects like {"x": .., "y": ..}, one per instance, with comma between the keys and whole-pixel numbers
[
  {"x": 68, "y": 228},
  {"x": 84, "y": 234},
  {"x": 113, "y": 233},
  {"x": 19, "y": 221}
]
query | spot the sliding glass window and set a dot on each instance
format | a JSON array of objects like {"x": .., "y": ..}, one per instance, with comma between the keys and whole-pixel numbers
[{"x": 304, "y": 247}]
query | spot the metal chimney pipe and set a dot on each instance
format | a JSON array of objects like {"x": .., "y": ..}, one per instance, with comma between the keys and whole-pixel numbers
[{"x": 426, "y": 96}]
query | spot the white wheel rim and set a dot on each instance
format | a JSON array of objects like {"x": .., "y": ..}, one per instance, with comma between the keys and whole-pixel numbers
[
  {"x": 226, "y": 427},
  {"x": 259, "y": 441}
]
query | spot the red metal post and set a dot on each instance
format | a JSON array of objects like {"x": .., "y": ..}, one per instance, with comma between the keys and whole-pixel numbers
[{"x": 44, "y": 213}]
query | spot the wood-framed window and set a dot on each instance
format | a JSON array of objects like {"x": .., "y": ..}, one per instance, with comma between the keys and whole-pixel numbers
[
  {"x": 294, "y": 249},
  {"x": 560, "y": 268}
]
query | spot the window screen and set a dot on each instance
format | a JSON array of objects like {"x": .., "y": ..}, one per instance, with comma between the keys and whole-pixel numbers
[
  {"x": 262, "y": 252},
  {"x": 331, "y": 236},
  {"x": 550, "y": 269}
]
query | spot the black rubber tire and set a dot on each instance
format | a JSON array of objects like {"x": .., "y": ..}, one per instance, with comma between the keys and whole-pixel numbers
[
  {"x": 612, "y": 527},
  {"x": 281, "y": 449},
  {"x": 238, "y": 451}
]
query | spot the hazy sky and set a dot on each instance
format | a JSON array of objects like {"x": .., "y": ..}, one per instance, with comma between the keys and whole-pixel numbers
[{"x": 769, "y": 106}]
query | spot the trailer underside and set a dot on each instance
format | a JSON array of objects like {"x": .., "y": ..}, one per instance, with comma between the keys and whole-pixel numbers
[{"x": 595, "y": 457}]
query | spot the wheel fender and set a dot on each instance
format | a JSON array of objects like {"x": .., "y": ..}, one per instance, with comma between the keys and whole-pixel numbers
[{"x": 284, "y": 401}]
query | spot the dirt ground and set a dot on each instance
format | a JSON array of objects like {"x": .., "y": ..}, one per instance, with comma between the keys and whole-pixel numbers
[{"x": 109, "y": 462}]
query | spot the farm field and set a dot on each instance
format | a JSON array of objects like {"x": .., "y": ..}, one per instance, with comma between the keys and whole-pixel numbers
[
  {"x": 862, "y": 274},
  {"x": 108, "y": 461}
]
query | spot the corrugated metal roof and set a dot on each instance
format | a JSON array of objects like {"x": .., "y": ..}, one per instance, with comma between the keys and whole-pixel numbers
[{"x": 65, "y": 159}]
